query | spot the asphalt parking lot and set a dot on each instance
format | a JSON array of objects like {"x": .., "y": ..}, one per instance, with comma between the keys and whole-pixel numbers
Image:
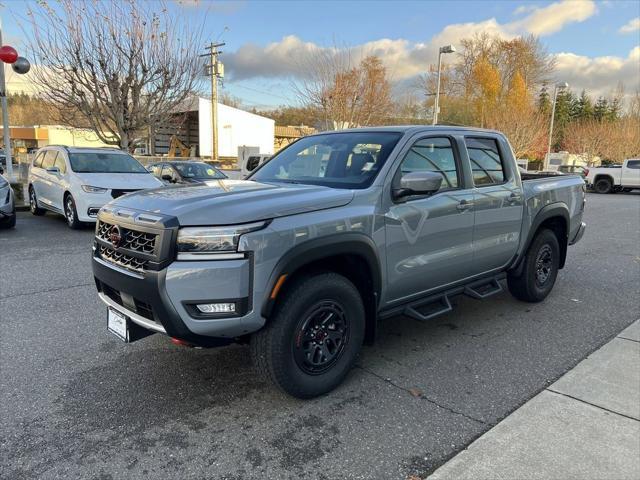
[{"x": 77, "y": 403}]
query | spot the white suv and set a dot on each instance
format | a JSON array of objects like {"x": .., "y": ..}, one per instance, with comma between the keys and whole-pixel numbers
[{"x": 77, "y": 182}]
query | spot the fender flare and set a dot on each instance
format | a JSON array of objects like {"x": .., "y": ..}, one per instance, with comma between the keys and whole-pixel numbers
[
  {"x": 350, "y": 243},
  {"x": 554, "y": 210}
]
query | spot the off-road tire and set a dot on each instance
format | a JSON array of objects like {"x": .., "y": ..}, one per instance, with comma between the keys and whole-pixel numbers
[
  {"x": 527, "y": 286},
  {"x": 33, "y": 203},
  {"x": 603, "y": 185},
  {"x": 276, "y": 349},
  {"x": 70, "y": 212}
]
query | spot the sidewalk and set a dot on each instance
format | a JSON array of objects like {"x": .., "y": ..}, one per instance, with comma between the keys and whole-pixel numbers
[{"x": 584, "y": 426}]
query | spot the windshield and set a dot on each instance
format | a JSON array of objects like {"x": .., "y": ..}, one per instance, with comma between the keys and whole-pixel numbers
[
  {"x": 198, "y": 170},
  {"x": 104, "y": 162},
  {"x": 339, "y": 160}
]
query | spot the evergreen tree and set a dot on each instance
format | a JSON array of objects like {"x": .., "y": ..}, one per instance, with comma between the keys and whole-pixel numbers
[
  {"x": 601, "y": 110},
  {"x": 585, "y": 107},
  {"x": 544, "y": 102},
  {"x": 613, "y": 113}
]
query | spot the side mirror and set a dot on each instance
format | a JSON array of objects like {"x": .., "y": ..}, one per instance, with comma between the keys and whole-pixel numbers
[
  {"x": 53, "y": 170},
  {"x": 418, "y": 183},
  {"x": 1, "y": 171},
  {"x": 167, "y": 177}
]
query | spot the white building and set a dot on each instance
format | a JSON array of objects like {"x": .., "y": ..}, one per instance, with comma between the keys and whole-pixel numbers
[{"x": 236, "y": 128}]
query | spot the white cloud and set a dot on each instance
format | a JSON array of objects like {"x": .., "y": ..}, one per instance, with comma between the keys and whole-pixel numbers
[
  {"x": 403, "y": 58},
  {"x": 553, "y": 17},
  {"x": 599, "y": 75},
  {"x": 632, "y": 26}
]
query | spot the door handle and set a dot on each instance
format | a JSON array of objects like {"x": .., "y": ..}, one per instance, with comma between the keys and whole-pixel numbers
[
  {"x": 515, "y": 197},
  {"x": 464, "y": 205}
]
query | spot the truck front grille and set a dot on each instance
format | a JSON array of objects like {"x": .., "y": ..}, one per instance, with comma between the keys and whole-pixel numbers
[
  {"x": 137, "y": 241},
  {"x": 122, "y": 259}
]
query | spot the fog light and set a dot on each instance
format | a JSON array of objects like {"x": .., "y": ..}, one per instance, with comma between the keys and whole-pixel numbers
[{"x": 217, "y": 307}]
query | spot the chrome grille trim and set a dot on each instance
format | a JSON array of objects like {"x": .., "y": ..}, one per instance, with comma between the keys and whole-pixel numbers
[
  {"x": 134, "y": 240},
  {"x": 122, "y": 259}
]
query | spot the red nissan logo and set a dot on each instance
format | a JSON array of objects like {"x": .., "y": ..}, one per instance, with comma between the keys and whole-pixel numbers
[{"x": 115, "y": 236}]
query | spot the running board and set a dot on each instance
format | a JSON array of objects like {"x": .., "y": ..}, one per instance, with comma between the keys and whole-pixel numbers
[
  {"x": 433, "y": 306},
  {"x": 482, "y": 290}
]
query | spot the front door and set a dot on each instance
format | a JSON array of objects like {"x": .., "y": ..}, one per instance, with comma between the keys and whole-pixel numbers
[{"x": 429, "y": 239}]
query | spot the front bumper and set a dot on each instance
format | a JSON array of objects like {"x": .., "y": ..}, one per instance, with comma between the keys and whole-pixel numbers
[
  {"x": 88, "y": 204},
  {"x": 7, "y": 203},
  {"x": 160, "y": 300},
  {"x": 579, "y": 234}
]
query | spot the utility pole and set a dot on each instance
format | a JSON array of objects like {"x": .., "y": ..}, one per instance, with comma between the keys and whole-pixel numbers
[
  {"x": 558, "y": 87},
  {"x": 5, "y": 117},
  {"x": 215, "y": 70}
]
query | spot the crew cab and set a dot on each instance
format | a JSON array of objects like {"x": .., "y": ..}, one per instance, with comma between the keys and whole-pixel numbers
[
  {"x": 76, "y": 182},
  {"x": 335, "y": 233},
  {"x": 615, "y": 178}
]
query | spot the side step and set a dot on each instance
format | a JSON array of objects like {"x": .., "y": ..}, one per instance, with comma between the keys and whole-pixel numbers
[{"x": 434, "y": 305}]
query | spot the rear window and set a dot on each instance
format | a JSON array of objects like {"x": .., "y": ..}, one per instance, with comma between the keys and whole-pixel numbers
[{"x": 486, "y": 163}]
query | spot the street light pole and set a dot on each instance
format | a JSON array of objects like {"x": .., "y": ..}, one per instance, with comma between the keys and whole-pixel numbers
[
  {"x": 558, "y": 86},
  {"x": 436, "y": 105}
]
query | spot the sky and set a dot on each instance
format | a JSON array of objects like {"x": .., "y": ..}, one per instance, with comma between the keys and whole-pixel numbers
[{"x": 596, "y": 44}]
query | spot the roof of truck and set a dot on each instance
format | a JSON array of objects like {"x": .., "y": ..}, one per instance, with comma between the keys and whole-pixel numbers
[{"x": 412, "y": 128}]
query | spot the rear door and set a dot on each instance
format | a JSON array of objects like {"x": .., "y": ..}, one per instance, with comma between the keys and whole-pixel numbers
[
  {"x": 429, "y": 239},
  {"x": 631, "y": 173},
  {"x": 46, "y": 178},
  {"x": 498, "y": 202},
  {"x": 36, "y": 173},
  {"x": 59, "y": 181}
]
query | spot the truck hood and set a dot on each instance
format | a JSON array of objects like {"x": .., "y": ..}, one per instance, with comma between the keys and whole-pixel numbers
[
  {"x": 120, "y": 181},
  {"x": 228, "y": 202}
]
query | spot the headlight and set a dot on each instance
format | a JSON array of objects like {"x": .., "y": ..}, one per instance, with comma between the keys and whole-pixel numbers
[
  {"x": 91, "y": 189},
  {"x": 212, "y": 243}
]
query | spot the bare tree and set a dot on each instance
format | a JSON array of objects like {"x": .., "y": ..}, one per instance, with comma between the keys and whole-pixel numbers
[
  {"x": 345, "y": 94},
  {"x": 113, "y": 66}
]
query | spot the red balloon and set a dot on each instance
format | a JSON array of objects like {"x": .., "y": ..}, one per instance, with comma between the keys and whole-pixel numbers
[{"x": 8, "y": 54}]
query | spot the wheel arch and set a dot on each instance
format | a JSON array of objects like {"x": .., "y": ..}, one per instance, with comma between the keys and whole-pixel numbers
[
  {"x": 556, "y": 218},
  {"x": 353, "y": 255}
]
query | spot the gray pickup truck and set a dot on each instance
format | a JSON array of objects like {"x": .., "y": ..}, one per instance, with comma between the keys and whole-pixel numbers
[{"x": 336, "y": 232}]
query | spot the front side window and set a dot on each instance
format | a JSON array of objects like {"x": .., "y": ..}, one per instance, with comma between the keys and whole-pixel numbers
[
  {"x": 49, "y": 159},
  {"x": 486, "y": 163},
  {"x": 104, "y": 162},
  {"x": 60, "y": 163},
  {"x": 433, "y": 155},
  {"x": 337, "y": 160}
]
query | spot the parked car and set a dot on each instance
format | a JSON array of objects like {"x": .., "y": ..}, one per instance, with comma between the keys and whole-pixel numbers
[
  {"x": 615, "y": 178},
  {"x": 7, "y": 204},
  {"x": 185, "y": 172},
  {"x": 574, "y": 170},
  {"x": 336, "y": 232},
  {"x": 76, "y": 182}
]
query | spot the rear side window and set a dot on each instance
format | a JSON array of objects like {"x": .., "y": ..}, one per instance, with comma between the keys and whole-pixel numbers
[
  {"x": 432, "y": 155},
  {"x": 49, "y": 158},
  {"x": 635, "y": 164},
  {"x": 38, "y": 161},
  {"x": 486, "y": 163}
]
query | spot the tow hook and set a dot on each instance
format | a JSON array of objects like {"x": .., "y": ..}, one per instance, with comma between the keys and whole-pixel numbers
[{"x": 182, "y": 343}]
